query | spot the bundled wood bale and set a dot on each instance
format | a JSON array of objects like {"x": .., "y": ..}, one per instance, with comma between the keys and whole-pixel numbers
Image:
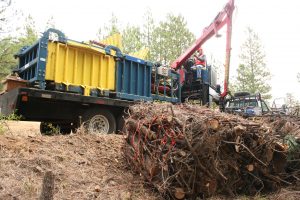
[{"x": 187, "y": 151}]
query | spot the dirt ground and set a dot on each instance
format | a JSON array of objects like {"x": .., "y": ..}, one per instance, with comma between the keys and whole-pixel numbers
[
  {"x": 22, "y": 128},
  {"x": 84, "y": 167}
]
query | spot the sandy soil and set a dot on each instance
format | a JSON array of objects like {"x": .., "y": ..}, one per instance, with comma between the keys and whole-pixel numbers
[
  {"x": 84, "y": 166},
  {"x": 22, "y": 128}
]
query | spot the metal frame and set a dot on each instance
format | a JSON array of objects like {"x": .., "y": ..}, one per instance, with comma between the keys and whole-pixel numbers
[
  {"x": 37, "y": 63},
  {"x": 39, "y": 102},
  {"x": 175, "y": 96}
]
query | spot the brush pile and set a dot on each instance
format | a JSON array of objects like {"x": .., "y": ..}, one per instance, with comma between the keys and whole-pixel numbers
[
  {"x": 187, "y": 151},
  {"x": 283, "y": 124}
]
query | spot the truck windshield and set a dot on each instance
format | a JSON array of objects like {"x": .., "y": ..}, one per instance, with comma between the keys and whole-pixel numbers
[{"x": 243, "y": 103}]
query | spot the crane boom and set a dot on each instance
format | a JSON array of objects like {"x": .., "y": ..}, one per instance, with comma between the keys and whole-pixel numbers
[{"x": 223, "y": 18}]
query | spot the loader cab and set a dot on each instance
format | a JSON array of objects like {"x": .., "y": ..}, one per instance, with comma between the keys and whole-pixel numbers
[
  {"x": 197, "y": 89},
  {"x": 247, "y": 105}
]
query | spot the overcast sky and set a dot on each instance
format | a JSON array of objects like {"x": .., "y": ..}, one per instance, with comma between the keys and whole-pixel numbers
[{"x": 276, "y": 22}]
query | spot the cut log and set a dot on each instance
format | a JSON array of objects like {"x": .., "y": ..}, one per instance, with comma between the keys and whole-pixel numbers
[
  {"x": 239, "y": 129},
  {"x": 179, "y": 193},
  {"x": 213, "y": 124},
  {"x": 133, "y": 125},
  {"x": 250, "y": 167}
]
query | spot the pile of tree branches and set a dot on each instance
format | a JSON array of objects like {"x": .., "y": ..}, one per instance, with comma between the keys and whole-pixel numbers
[
  {"x": 282, "y": 124},
  {"x": 187, "y": 151}
]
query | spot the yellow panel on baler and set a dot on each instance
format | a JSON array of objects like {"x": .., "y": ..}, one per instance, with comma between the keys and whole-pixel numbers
[{"x": 80, "y": 64}]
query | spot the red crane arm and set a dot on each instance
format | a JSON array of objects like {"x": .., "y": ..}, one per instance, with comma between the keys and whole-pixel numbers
[
  {"x": 228, "y": 50},
  {"x": 223, "y": 18},
  {"x": 220, "y": 20}
]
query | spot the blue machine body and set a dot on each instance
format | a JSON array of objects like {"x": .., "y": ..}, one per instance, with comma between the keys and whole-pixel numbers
[{"x": 133, "y": 78}]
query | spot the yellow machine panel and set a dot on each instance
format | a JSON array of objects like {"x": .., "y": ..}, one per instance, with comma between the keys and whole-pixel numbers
[
  {"x": 115, "y": 40},
  {"x": 80, "y": 65},
  {"x": 142, "y": 53}
]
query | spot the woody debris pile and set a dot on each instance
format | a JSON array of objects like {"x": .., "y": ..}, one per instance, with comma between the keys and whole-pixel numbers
[{"x": 187, "y": 151}]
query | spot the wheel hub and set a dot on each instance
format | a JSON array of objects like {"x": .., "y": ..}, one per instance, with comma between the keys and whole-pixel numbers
[{"x": 99, "y": 124}]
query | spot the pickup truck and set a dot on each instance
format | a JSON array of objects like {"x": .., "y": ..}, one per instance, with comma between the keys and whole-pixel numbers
[{"x": 247, "y": 105}]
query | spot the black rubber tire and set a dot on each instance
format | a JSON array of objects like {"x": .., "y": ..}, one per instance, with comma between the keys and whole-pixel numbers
[
  {"x": 241, "y": 94},
  {"x": 91, "y": 116},
  {"x": 120, "y": 124}
]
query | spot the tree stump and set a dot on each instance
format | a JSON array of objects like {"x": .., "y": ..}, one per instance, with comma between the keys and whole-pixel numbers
[{"x": 48, "y": 186}]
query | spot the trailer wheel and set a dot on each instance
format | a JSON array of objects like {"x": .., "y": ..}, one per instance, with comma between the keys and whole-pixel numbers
[{"x": 101, "y": 121}]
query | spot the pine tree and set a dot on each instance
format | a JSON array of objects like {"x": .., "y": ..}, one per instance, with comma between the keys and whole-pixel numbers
[
  {"x": 11, "y": 45},
  {"x": 170, "y": 39},
  {"x": 252, "y": 74},
  {"x": 6, "y": 40},
  {"x": 147, "y": 32},
  {"x": 109, "y": 29},
  {"x": 132, "y": 39},
  {"x": 30, "y": 33}
]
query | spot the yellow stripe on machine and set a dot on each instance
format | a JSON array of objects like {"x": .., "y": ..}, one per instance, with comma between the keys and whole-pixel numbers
[
  {"x": 80, "y": 64},
  {"x": 142, "y": 54},
  {"x": 114, "y": 40}
]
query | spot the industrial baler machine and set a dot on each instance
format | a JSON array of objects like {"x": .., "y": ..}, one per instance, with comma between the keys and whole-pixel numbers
[{"x": 69, "y": 83}]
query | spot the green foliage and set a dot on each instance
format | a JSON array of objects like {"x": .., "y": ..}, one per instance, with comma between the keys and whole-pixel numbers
[
  {"x": 50, "y": 129},
  {"x": 232, "y": 88},
  {"x": 147, "y": 32},
  {"x": 5, "y": 40},
  {"x": 11, "y": 117},
  {"x": 109, "y": 29},
  {"x": 3, "y": 119},
  {"x": 252, "y": 74},
  {"x": 148, "y": 28},
  {"x": 294, "y": 147},
  {"x": 7, "y": 50},
  {"x": 30, "y": 33},
  {"x": 10, "y": 45},
  {"x": 132, "y": 39},
  {"x": 166, "y": 41},
  {"x": 170, "y": 39}
]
